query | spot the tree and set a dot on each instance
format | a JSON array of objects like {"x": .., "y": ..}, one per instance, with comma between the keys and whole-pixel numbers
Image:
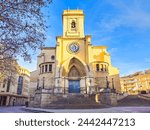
[
  {"x": 8, "y": 68},
  {"x": 22, "y": 27}
]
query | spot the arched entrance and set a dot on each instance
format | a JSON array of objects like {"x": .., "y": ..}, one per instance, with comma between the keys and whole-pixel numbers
[
  {"x": 76, "y": 71},
  {"x": 74, "y": 80}
]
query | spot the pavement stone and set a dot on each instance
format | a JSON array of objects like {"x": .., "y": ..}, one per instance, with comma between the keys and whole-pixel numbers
[{"x": 142, "y": 109}]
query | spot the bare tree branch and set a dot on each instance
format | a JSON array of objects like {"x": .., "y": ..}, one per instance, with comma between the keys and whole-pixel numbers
[{"x": 22, "y": 28}]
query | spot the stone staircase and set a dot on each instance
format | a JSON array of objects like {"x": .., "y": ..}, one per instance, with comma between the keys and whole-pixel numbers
[
  {"x": 76, "y": 101},
  {"x": 134, "y": 100},
  {"x": 144, "y": 96}
]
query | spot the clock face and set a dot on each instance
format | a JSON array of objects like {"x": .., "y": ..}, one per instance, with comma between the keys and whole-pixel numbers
[{"x": 74, "y": 47}]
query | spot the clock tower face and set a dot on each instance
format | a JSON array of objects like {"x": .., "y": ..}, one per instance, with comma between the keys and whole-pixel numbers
[{"x": 74, "y": 47}]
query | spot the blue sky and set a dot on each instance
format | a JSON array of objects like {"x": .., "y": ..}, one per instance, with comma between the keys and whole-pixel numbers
[{"x": 122, "y": 25}]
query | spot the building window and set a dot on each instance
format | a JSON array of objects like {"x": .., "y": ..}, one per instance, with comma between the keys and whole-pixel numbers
[
  {"x": 8, "y": 84},
  {"x": 20, "y": 85},
  {"x": 73, "y": 25},
  {"x": 97, "y": 67},
  {"x": 42, "y": 68},
  {"x": 50, "y": 67},
  {"x": 4, "y": 82},
  {"x": 105, "y": 68},
  {"x": 102, "y": 67},
  {"x": 45, "y": 68},
  {"x": 52, "y": 57}
]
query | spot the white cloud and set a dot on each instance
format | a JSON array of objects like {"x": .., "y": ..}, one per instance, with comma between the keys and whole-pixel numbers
[{"x": 131, "y": 14}]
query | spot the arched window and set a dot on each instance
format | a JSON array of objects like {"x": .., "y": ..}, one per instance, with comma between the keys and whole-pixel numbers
[
  {"x": 50, "y": 67},
  {"x": 20, "y": 85},
  {"x": 105, "y": 68},
  {"x": 73, "y": 25},
  {"x": 4, "y": 83},
  {"x": 42, "y": 68},
  {"x": 102, "y": 67},
  {"x": 97, "y": 67},
  {"x": 45, "y": 68},
  {"x": 52, "y": 57}
]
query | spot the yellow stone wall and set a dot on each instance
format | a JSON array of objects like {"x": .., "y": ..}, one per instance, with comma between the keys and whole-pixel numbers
[
  {"x": 87, "y": 55},
  {"x": 63, "y": 52},
  {"x": 78, "y": 17}
]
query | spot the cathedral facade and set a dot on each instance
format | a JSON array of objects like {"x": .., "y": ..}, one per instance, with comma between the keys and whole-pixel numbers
[{"x": 73, "y": 66}]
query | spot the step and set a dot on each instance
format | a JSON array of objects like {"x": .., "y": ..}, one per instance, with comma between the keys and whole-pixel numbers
[{"x": 74, "y": 99}]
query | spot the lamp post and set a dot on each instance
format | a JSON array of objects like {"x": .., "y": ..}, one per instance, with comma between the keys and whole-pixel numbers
[{"x": 43, "y": 82}]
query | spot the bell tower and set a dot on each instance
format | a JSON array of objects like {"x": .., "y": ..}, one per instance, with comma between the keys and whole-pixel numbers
[{"x": 73, "y": 23}]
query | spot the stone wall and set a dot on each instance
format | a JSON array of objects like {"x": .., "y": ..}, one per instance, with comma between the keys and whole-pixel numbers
[{"x": 107, "y": 98}]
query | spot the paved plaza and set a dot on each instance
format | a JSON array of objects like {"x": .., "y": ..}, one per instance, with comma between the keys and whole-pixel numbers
[
  {"x": 142, "y": 109},
  {"x": 130, "y": 104}
]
